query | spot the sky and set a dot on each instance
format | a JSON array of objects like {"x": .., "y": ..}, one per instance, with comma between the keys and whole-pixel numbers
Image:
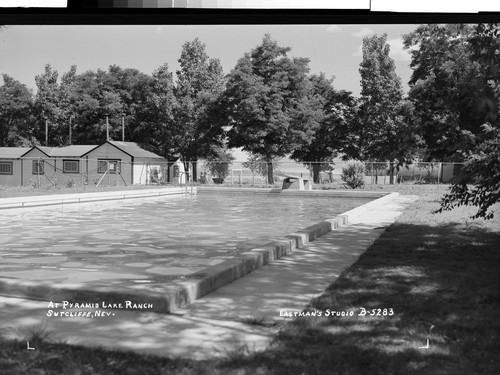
[{"x": 332, "y": 49}]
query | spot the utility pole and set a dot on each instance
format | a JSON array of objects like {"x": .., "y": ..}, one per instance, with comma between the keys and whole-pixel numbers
[
  {"x": 70, "y": 117},
  {"x": 123, "y": 127},
  {"x": 46, "y": 132},
  {"x": 107, "y": 129}
]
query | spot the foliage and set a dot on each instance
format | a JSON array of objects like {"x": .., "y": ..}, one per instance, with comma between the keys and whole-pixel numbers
[
  {"x": 157, "y": 123},
  {"x": 268, "y": 102},
  {"x": 449, "y": 92},
  {"x": 479, "y": 181},
  {"x": 336, "y": 110},
  {"x": 218, "y": 163},
  {"x": 87, "y": 98},
  {"x": 16, "y": 105},
  {"x": 482, "y": 169},
  {"x": 258, "y": 165},
  {"x": 47, "y": 102},
  {"x": 353, "y": 175}
]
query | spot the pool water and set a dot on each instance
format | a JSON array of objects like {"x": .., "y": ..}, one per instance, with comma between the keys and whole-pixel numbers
[{"x": 150, "y": 240}]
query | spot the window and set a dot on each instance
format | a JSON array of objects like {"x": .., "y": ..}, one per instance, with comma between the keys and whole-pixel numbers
[
  {"x": 71, "y": 166},
  {"x": 114, "y": 166},
  {"x": 37, "y": 166},
  {"x": 5, "y": 167}
]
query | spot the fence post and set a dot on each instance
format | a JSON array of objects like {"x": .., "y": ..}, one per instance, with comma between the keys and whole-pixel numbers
[
  {"x": 191, "y": 179},
  {"x": 38, "y": 183},
  {"x": 439, "y": 171}
]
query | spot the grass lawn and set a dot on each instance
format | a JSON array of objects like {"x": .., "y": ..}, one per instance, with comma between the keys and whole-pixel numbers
[{"x": 440, "y": 275}]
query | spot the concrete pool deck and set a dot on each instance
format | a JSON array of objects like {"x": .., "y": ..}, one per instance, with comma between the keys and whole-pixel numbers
[{"x": 218, "y": 323}]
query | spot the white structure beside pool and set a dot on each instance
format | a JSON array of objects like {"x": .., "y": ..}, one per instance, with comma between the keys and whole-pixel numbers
[{"x": 111, "y": 163}]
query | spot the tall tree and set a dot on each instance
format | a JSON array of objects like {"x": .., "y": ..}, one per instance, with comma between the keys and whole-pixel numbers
[
  {"x": 336, "y": 111},
  {"x": 385, "y": 134},
  {"x": 268, "y": 103},
  {"x": 65, "y": 101},
  {"x": 447, "y": 89},
  {"x": 16, "y": 105},
  {"x": 85, "y": 103},
  {"x": 158, "y": 123},
  {"x": 200, "y": 81}
]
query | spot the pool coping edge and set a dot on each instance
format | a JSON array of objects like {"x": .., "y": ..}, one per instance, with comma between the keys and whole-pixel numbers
[
  {"x": 61, "y": 199},
  {"x": 206, "y": 281}
]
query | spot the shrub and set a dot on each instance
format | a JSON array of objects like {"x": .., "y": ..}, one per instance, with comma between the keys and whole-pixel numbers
[
  {"x": 218, "y": 164},
  {"x": 353, "y": 175},
  {"x": 71, "y": 184}
]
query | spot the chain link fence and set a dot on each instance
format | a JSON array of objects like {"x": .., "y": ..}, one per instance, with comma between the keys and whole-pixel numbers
[
  {"x": 374, "y": 173},
  {"x": 71, "y": 172}
]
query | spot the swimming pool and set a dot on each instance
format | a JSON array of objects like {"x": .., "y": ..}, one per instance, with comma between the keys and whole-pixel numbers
[{"x": 150, "y": 242}]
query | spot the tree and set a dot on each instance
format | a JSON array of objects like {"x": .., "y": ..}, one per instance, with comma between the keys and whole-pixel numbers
[
  {"x": 125, "y": 97},
  {"x": 16, "y": 105},
  {"x": 447, "y": 90},
  {"x": 84, "y": 98},
  {"x": 258, "y": 165},
  {"x": 65, "y": 99},
  {"x": 478, "y": 183},
  {"x": 158, "y": 123},
  {"x": 268, "y": 103},
  {"x": 200, "y": 81},
  {"x": 336, "y": 111},
  {"x": 120, "y": 94},
  {"x": 384, "y": 129}
]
